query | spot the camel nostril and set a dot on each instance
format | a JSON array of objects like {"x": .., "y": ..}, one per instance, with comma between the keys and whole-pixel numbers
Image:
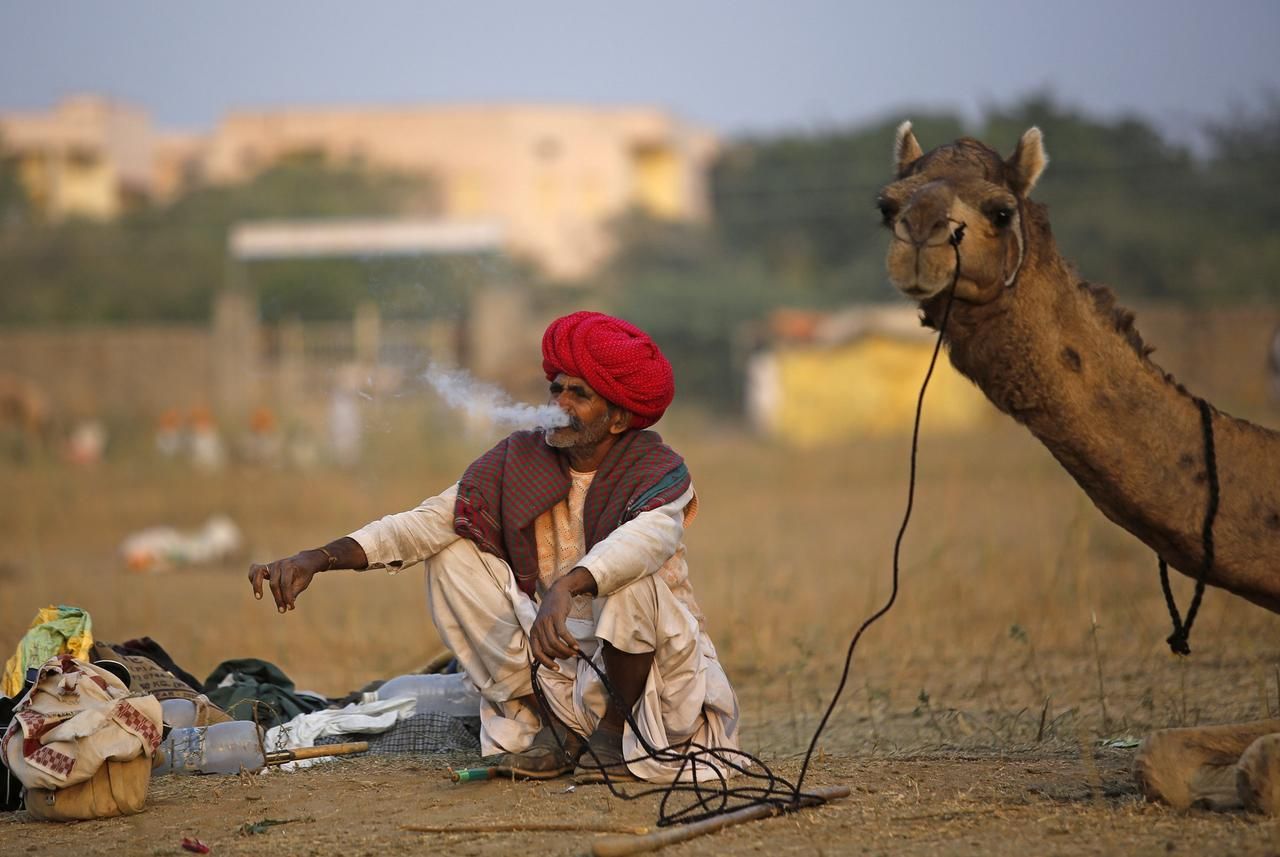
[{"x": 924, "y": 232}]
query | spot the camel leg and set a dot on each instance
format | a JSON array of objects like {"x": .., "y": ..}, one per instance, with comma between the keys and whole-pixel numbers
[
  {"x": 1196, "y": 766},
  {"x": 1258, "y": 775}
]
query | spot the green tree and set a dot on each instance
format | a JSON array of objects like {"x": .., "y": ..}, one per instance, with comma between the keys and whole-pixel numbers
[
  {"x": 166, "y": 262},
  {"x": 805, "y": 203},
  {"x": 14, "y": 206},
  {"x": 1240, "y": 202},
  {"x": 1122, "y": 200}
]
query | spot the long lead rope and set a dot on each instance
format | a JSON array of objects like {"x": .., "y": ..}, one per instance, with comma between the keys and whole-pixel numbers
[
  {"x": 1179, "y": 640},
  {"x": 707, "y": 767},
  {"x": 956, "y": 237}
]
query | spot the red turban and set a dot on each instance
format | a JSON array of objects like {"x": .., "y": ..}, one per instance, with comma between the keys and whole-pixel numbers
[{"x": 616, "y": 358}]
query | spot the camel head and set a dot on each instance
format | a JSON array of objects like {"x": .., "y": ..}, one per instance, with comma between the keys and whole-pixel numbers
[{"x": 962, "y": 192}]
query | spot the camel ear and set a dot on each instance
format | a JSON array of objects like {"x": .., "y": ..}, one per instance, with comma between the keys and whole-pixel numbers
[
  {"x": 906, "y": 150},
  {"x": 1027, "y": 162}
]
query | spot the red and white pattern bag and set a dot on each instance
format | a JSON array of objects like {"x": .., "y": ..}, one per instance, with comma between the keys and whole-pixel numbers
[{"x": 76, "y": 718}]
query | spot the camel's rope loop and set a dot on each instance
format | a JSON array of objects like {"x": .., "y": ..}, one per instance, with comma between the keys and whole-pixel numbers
[{"x": 1179, "y": 640}]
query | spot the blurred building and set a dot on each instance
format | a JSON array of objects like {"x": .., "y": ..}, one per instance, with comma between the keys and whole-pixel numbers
[
  {"x": 820, "y": 378},
  {"x": 87, "y": 157},
  {"x": 553, "y": 177}
]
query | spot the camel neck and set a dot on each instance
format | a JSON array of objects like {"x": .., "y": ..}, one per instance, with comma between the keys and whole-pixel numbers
[{"x": 1060, "y": 358}]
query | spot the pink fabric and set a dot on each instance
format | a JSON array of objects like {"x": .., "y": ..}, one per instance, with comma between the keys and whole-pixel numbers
[{"x": 616, "y": 358}]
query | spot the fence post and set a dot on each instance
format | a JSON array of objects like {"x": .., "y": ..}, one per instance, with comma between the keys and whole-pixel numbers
[
  {"x": 236, "y": 354},
  {"x": 368, "y": 335},
  {"x": 498, "y": 335},
  {"x": 292, "y": 370}
]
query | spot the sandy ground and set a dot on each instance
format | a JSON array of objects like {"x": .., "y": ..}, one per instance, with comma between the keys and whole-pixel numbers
[
  {"x": 937, "y": 802},
  {"x": 1029, "y": 634}
]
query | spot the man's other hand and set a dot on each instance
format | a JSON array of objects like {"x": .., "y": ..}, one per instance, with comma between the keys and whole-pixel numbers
[
  {"x": 549, "y": 638},
  {"x": 287, "y": 577}
]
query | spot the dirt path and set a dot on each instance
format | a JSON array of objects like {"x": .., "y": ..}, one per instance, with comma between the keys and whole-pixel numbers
[{"x": 1041, "y": 804}]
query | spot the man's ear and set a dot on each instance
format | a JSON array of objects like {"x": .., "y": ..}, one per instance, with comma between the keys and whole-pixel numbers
[{"x": 619, "y": 421}]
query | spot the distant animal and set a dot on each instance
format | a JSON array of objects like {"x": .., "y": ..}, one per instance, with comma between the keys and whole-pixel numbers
[
  {"x": 1059, "y": 356},
  {"x": 25, "y": 421}
]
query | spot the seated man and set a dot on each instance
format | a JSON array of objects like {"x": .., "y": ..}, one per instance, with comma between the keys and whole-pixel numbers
[{"x": 557, "y": 546}]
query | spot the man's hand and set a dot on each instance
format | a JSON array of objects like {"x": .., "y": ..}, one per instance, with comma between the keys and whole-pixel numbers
[
  {"x": 549, "y": 638},
  {"x": 287, "y": 577}
]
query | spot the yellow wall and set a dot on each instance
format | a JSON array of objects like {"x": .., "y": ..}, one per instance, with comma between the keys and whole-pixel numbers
[
  {"x": 869, "y": 387},
  {"x": 657, "y": 175},
  {"x": 88, "y": 186},
  {"x": 61, "y": 184}
]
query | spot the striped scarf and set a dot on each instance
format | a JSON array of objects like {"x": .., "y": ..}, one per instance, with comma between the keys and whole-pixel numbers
[{"x": 506, "y": 489}]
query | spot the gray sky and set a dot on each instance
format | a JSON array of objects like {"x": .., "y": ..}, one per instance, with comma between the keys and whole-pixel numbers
[{"x": 734, "y": 65}]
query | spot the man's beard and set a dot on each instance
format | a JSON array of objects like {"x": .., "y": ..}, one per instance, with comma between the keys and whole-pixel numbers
[{"x": 578, "y": 435}]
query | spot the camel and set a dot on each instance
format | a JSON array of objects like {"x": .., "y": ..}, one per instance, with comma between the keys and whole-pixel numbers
[{"x": 1059, "y": 355}]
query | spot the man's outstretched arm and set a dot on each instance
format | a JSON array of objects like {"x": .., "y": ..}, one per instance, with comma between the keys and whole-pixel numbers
[
  {"x": 288, "y": 577},
  {"x": 394, "y": 541}
]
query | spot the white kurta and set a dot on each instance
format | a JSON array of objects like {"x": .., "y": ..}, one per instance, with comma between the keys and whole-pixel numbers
[{"x": 644, "y": 603}]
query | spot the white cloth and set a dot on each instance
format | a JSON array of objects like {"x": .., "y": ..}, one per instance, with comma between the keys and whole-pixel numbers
[
  {"x": 363, "y": 718},
  {"x": 485, "y": 619},
  {"x": 645, "y": 603},
  {"x": 651, "y": 542}
]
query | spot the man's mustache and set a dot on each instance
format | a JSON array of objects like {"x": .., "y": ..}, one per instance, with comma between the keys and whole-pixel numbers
[{"x": 569, "y": 423}]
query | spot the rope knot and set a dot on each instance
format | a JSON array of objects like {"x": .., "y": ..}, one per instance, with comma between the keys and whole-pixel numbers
[{"x": 1178, "y": 643}]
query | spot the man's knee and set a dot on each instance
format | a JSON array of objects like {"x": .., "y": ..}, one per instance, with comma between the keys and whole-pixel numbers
[
  {"x": 639, "y": 599},
  {"x": 643, "y": 614},
  {"x": 446, "y": 563},
  {"x": 461, "y": 564}
]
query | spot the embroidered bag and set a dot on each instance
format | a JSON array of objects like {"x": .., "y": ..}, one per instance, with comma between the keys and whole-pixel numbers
[{"x": 80, "y": 744}]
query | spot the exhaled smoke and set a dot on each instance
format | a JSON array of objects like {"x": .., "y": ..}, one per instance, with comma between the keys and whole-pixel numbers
[{"x": 481, "y": 401}]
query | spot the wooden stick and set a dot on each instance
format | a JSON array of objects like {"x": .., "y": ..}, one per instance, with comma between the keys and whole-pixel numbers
[
  {"x": 530, "y": 827},
  {"x": 280, "y": 757},
  {"x": 621, "y": 846}
]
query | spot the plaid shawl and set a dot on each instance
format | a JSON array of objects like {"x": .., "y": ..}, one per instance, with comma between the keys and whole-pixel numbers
[{"x": 508, "y": 487}]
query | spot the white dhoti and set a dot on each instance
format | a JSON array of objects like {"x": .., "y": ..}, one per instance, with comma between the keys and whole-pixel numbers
[{"x": 485, "y": 619}]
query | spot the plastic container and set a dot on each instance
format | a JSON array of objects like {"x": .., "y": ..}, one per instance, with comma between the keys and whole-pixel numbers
[
  {"x": 178, "y": 712},
  {"x": 445, "y": 693},
  {"x": 222, "y": 748}
]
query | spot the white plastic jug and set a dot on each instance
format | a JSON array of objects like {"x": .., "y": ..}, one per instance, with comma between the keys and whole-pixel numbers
[
  {"x": 222, "y": 748},
  {"x": 446, "y": 693},
  {"x": 178, "y": 712}
]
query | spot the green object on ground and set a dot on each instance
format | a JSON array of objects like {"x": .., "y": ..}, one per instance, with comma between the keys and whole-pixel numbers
[
  {"x": 467, "y": 775},
  {"x": 253, "y": 689}
]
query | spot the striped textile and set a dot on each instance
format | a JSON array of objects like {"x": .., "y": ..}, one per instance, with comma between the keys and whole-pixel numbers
[{"x": 507, "y": 488}]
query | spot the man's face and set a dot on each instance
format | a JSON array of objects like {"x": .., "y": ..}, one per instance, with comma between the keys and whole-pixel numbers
[{"x": 590, "y": 418}]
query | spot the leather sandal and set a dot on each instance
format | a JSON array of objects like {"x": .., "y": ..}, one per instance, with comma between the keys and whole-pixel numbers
[
  {"x": 603, "y": 760},
  {"x": 545, "y": 759}
]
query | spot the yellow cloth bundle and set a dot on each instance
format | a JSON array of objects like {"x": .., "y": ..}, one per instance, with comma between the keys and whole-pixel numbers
[{"x": 54, "y": 631}]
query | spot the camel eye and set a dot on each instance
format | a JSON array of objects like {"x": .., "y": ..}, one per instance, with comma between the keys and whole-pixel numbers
[
  {"x": 1002, "y": 217},
  {"x": 888, "y": 211}
]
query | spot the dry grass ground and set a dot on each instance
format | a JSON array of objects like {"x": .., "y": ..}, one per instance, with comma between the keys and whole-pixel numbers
[{"x": 1027, "y": 631}]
